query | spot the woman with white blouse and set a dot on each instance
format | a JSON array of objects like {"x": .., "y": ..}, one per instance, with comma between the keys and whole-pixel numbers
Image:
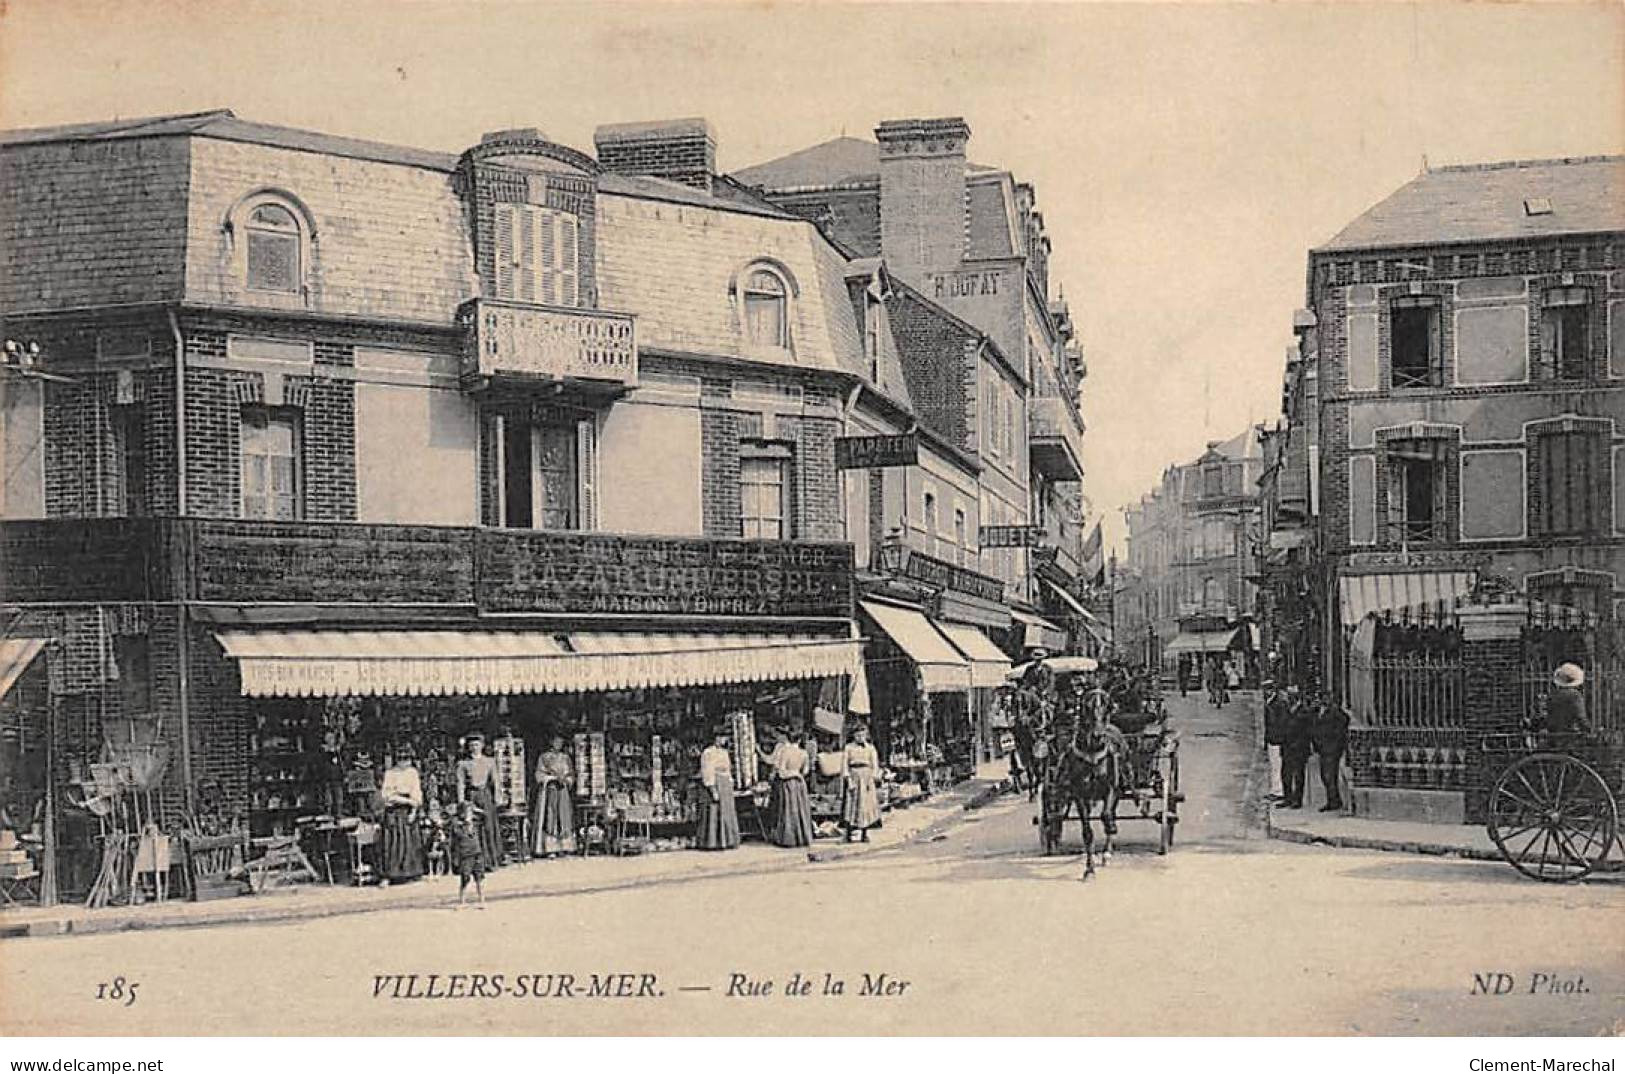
[
  {"x": 717, "y": 825},
  {"x": 402, "y": 792},
  {"x": 860, "y": 803},
  {"x": 791, "y": 808}
]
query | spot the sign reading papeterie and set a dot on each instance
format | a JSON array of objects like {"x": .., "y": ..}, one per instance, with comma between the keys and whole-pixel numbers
[{"x": 875, "y": 452}]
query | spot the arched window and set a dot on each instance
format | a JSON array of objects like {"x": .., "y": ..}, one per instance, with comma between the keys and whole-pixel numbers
[
  {"x": 767, "y": 308},
  {"x": 273, "y": 242}
]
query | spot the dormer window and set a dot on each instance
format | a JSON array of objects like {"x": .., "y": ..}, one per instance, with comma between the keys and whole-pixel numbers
[
  {"x": 767, "y": 308},
  {"x": 273, "y": 240}
]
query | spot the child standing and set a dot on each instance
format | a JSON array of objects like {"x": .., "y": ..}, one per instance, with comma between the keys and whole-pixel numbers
[{"x": 467, "y": 853}]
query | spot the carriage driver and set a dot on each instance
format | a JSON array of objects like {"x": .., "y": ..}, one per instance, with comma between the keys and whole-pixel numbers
[{"x": 1038, "y": 677}]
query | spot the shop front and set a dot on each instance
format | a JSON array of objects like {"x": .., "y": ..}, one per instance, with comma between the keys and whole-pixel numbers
[
  {"x": 920, "y": 692},
  {"x": 630, "y": 713}
]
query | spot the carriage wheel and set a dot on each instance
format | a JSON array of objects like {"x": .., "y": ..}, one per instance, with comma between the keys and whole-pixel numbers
[
  {"x": 1046, "y": 832},
  {"x": 1168, "y": 816},
  {"x": 1552, "y": 817}
]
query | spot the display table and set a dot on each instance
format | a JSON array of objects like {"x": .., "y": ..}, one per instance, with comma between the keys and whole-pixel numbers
[
  {"x": 515, "y": 827},
  {"x": 636, "y": 826}
]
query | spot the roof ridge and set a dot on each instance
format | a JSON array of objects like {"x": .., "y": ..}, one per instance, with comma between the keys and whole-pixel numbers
[
  {"x": 1533, "y": 162},
  {"x": 103, "y": 128}
]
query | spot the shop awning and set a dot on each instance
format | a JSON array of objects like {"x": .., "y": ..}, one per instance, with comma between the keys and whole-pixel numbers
[
  {"x": 988, "y": 666},
  {"x": 1245, "y": 637},
  {"x": 942, "y": 669},
  {"x": 1070, "y": 601},
  {"x": 1198, "y": 641},
  {"x": 335, "y": 663},
  {"x": 15, "y": 656},
  {"x": 1040, "y": 633},
  {"x": 1370, "y": 594}
]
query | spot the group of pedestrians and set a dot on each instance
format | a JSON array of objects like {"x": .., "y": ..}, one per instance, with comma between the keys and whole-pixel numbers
[{"x": 1297, "y": 724}]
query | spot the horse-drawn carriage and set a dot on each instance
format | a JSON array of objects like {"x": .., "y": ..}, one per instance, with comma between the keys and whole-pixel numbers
[{"x": 1099, "y": 748}]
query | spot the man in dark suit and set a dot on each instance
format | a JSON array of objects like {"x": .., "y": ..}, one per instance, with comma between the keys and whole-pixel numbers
[
  {"x": 1295, "y": 744},
  {"x": 1329, "y": 733}
]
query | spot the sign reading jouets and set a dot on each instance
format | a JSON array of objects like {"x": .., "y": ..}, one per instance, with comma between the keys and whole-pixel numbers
[{"x": 1011, "y": 536}]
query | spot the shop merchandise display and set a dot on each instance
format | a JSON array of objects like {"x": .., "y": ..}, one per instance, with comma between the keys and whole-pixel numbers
[
  {"x": 512, "y": 780},
  {"x": 742, "y": 748}
]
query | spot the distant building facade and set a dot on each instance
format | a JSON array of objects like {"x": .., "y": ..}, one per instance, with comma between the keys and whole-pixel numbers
[{"x": 1187, "y": 588}]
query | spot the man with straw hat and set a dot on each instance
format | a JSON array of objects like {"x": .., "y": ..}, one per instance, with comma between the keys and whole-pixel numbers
[{"x": 1566, "y": 706}]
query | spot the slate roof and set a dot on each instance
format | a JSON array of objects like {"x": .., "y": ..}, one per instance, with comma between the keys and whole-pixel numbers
[
  {"x": 837, "y": 162},
  {"x": 222, "y": 123},
  {"x": 1480, "y": 202},
  {"x": 831, "y": 163}
]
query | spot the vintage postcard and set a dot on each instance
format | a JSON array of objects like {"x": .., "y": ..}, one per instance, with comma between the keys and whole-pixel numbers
[{"x": 802, "y": 519}]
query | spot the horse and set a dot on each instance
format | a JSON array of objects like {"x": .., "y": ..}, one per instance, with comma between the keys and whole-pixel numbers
[
  {"x": 1085, "y": 767},
  {"x": 1030, "y": 717}
]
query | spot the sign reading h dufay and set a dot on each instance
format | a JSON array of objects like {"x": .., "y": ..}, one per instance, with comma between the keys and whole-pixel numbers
[{"x": 874, "y": 452}]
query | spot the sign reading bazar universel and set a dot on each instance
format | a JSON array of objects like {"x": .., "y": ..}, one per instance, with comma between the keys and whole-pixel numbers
[
  {"x": 567, "y": 572},
  {"x": 520, "y": 570}
]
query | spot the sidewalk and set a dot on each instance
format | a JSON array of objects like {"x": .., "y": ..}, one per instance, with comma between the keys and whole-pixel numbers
[
  {"x": 1312, "y": 827},
  {"x": 564, "y": 876},
  {"x": 1412, "y": 837}
]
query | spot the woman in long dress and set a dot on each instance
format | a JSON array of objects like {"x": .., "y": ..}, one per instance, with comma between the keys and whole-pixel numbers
[
  {"x": 477, "y": 783},
  {"x": 860, "y": 802},
  {"x": 791, "y": 808},
  {"x": 402, "y": 792},
  {"x": 717, "y": 826},
  {"x": 553, "y": 826}
]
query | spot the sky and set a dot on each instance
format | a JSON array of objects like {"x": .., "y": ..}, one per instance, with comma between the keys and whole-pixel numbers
[{"x": 1186, "y": 156}]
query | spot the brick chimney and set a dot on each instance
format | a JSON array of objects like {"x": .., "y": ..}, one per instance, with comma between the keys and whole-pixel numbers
[
  {"x": 922, "y": 195},
  {"x": 681, "y": 150}
]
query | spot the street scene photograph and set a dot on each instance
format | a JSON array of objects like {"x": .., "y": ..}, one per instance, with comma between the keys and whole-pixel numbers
[{"x": 529, "y": 520}]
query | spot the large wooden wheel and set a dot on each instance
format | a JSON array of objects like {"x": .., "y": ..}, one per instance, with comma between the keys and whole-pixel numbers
[
  {"x": 1552, "y": 817},
  {"x": 1170, "y": 804}
]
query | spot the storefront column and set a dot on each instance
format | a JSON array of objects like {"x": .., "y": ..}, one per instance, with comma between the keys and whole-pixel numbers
[
  {"x": 48, "y": 892},
  {"x": 1492, "y": 658}
]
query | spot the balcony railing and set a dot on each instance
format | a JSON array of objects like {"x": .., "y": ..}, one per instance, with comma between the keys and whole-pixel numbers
[
  {"x": 514, "y": 341},
  {"x": 1056, "y": 437}
]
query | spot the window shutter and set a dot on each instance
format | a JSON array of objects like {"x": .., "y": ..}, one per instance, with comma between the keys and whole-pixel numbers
[
  {"x": 525, "y": 246},
  {"x": 1436, "y": 349},
  {"x": 569, "y": 260},
  {"x": 1548, "y": 347},
  {"x": 504, "y": 268},
  {"x": 1442, "y": 530},
  {"x": 587, "y": 473},
  {"x": 547, "y": 257},
  {"x": 491, "y": 470}
]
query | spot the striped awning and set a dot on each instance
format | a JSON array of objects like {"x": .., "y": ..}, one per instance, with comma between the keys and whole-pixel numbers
[
  {"x": 988, "y": 666},
  {"x": 1371, "y": 594},
  {"x": 15, "y": 656},
  {"x": 942, "y": 669},
  {"x": 435, "y": 663}
]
